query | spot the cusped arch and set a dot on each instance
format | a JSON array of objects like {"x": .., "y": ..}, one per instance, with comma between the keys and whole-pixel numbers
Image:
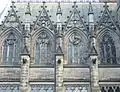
[
  {"x": 36, "y": 36},
  {"x": 77, "y": 30},
  {"x": 103, "y": 31},
  {"x": 77, "y": 40},
  {"x": 15, "y": 34},
  {"x": 36, "y": 33},
  {"x": 6, "y": 32},
  {"x": 105, "y": 46}
]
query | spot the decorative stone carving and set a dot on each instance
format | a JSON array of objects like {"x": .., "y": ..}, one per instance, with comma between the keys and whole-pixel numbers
[
  {"x": 44, "y": 49},
  {"x": 75, "y": 39},
  {"x": 77, "y": 88},
  {"x": 110, "y": 88},
  {"x": 42, "y": 88},
  {"x": 76, "y": 51},
  {"x": 11, "y": 51},
  {"x": 108, "y": 50}
]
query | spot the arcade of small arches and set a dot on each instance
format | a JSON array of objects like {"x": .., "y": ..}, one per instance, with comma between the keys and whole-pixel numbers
[
  {"x": 77, "y": 49},
  {"x": 49, "y": 88}
]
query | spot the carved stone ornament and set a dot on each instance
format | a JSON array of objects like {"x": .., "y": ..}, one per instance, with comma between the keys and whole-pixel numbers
[
  {"x": 43, "y": 35},
  {"x": 75, "y": 39},
  {"x": 59, "y": 61},
  {"x": 24, "y": 61}
]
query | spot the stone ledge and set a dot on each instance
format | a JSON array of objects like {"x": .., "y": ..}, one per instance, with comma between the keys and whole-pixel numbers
[
  {"x": 75, "y": 66},
  {"x": 42, "y": 66},
  {"x": 109, "y": 66}
]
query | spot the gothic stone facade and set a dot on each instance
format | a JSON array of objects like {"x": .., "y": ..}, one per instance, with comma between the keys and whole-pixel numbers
[{"x": 67, "y": 47}]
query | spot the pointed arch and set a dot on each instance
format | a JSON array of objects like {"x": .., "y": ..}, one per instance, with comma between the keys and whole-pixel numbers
[
  {"x": 75, "y": 43},
  {"x": 43, "y": 46},
  {"x": 108, "y": 50},
  {"x": 43, "y": 20},
  {"x": 107, "y": 46},
  {"x": 10, "y": 46},
  {"x": 107, "y": 21},
  {"x": 75, "y": 20}
]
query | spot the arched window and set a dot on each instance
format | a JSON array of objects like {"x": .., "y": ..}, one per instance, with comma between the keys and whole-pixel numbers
[
  {"x": 110, "y": 89},
  {"x": 74, "y": 48},
  {"x": 42, "y": 88},
  {"x": 43, "y": 49},
  {"x": 108, "y": 51},
  {"x": 9, "y": 88},
  {"x": 11, "y": 50},
  {"x": 76, "y": 89}
]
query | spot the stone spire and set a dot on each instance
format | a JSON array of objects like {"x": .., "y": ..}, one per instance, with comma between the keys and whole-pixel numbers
[
  {"x": 59, "y": 53},
  {"x": 25, "y": 56},
  {"x": 91, "y": 24},
  {"x": 93, "y": 51},
  {"x": 90, "y": 14},
  {"x": 59, "y": 50},
  {"x": 59, "y": 11},
  {"x": 25, "y": 50},
  {"x": 28, "y": 11},
  {"x": 27, "y": 23},
  {"x": 12, "y": 19},
  {"x": 59, "y": 26},
  {"x": 74, "y": 19},
  {"x": 25, "y": 63},
  {"x": 90, "y": 11}
]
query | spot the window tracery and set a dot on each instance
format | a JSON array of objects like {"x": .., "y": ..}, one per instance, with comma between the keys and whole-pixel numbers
[
  {"x": 110, "y": 89},
  {"x": 42, "y": 88},
  {"x": 108, "y": 50},
  {"x": 76, "y": 89},
  {"x": 43, "y": 49},
  {"x": 9, "y": 88},
  {"x": 11, "y": 49},
  {"x": 74, "y": 49}
]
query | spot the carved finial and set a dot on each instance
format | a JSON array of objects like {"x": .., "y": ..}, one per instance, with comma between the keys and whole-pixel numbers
[
  {"x": 13, "y": 4},
  {"x": 90, "y": 11},
  {"x": 106, "y": 6},
  {"x": 74, "y": 4},
  {"x": 59, "y": 9},
  {"x": 93, "y": 51},
  {"x": 28, "y": 9},
  {"x": 59, "y": 50},
  {"x": 44, "y": 4},
  {"x": 25, "y": 50}
]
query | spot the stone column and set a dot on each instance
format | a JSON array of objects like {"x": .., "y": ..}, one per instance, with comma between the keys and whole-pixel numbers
[
  {"x": 24, "y": 81},
  {"x": 59, "y": 73},
  {"x": 94, "y": 72},
  {"x": 59, "y": 53}
]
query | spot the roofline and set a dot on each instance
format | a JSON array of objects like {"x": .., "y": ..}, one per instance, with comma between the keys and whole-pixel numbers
[{"x": 51, "y": 1}]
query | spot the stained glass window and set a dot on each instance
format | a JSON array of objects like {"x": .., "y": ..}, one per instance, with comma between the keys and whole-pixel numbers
[
  {"x": 5, "y": 88},
  {"x": 11, "y": 49},
  {"x": 108, "y": 51},
  {"x": 110, "y": 89},
  {"x": 74, "y": 48},
  {"x": 42, "y": 88},
  {"x": 43, "y": 49},
  {"x": 76, "y": 89}
]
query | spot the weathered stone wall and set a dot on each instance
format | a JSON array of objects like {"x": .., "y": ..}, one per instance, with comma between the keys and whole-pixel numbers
[
  {"x": 41, "y": 74},
  {"x": 10, "y": 74},
  {"x": 109, "y": 74},
  {"x": 76, "y": 74}
]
